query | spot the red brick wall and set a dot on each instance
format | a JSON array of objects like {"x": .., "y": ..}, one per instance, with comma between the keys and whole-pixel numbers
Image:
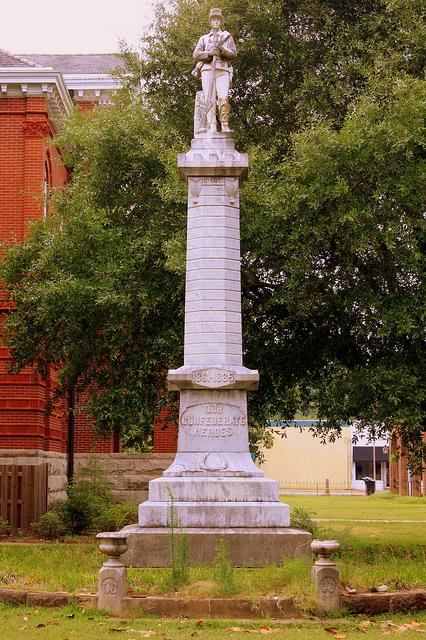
[
  {"x": 24, "y": 134},
  {"x": 86, "y": 440},
  {"x": 165, "y": 432},
  {"x": 25, "y": 130}
]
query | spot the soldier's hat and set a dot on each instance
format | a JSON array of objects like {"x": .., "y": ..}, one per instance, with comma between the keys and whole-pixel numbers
[{"x": 215, "y": 13}]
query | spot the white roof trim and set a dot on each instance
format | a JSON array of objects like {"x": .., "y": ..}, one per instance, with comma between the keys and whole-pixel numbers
[
  {"x": 60, "y": 104},
  {"x": 77, "y": 81}
]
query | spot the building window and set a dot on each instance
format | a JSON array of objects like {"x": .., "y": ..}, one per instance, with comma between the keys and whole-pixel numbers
[
  {"x": 47, "y": 183},
  {"x": 365, "y": 468}
]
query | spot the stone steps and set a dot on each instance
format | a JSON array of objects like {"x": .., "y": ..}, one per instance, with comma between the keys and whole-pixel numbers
[
  {"x": 213, "y": 490},
  {"x": 215, "y": 514}
]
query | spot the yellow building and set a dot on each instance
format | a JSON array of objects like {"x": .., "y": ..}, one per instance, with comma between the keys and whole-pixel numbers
[{"x": 300, "y": 462}]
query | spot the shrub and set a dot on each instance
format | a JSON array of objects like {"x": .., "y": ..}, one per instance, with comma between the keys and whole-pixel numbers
[
  {"x": 49, "y": 526},
  {"x": 301, "y": 519},
  {"x": 85, "y": 502},
  {"x": 115, "y": 517},
  {"x": 4, "y": 526}
]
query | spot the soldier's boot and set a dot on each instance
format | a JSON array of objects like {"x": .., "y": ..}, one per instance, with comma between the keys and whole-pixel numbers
[{"x": 224, "y": 113}]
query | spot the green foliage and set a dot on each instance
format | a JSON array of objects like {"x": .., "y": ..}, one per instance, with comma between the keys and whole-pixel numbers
[
  {"x": 300, "y": 518},
  {"x": 222, "y": 569},
  {"x": 298, "y": 62},
  {"x": 4, "y": 526},
  {"x": 82, "y": 506},
  {"x": 179, "y": 572},
  {"x": 50, "y": 526},
  {"x": 115, "y": 516},
  {"x": 96, "y": 274},
  {"x": 340, "y": 270},
  {"x": 329, "y": 101}
]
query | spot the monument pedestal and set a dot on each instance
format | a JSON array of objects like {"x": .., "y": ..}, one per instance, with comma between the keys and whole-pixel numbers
[
  {"x": 246, "y": 547},
  {"x": 213, "y": 490}
]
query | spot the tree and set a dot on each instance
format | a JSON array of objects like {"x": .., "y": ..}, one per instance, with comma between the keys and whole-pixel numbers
[
  {"x": 94, "y": 294},
  {"x": 334, "y": 277},
  {"x": 329, "y": 100}
]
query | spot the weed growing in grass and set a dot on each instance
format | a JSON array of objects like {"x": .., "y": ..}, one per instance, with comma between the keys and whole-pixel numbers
[
  {"x": 301, "y": 519},
  {"x": 223, "y": 571},
  {"x": 8, "y": 578},
  {"x": 178, "y": 550}
]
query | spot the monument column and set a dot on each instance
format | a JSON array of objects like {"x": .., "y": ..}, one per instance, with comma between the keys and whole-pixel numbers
[
  {"x": 213, "y": 490},
  {"x": 213, "y": 480}
]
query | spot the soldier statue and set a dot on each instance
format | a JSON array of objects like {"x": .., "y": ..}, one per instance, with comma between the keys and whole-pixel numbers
[{"x": 214, "y": 53}]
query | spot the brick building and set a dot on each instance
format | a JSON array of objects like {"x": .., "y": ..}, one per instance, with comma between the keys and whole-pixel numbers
[{"x": 36, "y": 93}]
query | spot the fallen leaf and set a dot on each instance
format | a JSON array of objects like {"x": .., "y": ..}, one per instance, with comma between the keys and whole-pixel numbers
[
  {"x": 236, "y": 629},
  {"x": 364, "y": 624},
  {"x": 146, "y": 634},
  {"x": 331, "y": 630},
  {"x": 194, "y": 634},
  {"x": 40, "y": 625},
  {"x": 119, "y": 629},
  {"x": 199, "y": 623},
  {"x": 413, "y": 624},
  {"x": 23, "y": 628},
  {"x": 266, "y": 630},
  {"x": 382, "y": 588}
]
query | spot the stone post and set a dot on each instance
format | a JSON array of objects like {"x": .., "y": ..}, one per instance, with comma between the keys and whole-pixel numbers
[
  {"x": 325, "y": 576},
  {"x": 112, "y": 585},
  {"x": 213, "y": 487}
]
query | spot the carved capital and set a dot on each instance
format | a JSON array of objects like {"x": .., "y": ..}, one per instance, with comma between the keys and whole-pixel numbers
[{"x": 36, "y": 129}]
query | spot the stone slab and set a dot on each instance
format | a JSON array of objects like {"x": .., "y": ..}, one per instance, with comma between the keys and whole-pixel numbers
[
  {"x": 377, "y": 603},
  {"x": 48, "y": 598},
  {"x": 213, "y": 464},
  {"x": 13, "y": 596},
  {"x": 196, "y": 608},
  {"x": 257, "y": 547},
  {"x": 215, "y": 514},
  {"x": 213, "y": 490},
  {"x": 213, "y": 377}
]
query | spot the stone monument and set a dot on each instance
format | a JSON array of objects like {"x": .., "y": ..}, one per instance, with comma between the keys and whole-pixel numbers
[{"x": 213, "y": 486}]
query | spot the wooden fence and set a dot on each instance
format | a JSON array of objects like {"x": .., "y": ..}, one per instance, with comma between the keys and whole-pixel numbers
[{"x": 23, "y": 495}]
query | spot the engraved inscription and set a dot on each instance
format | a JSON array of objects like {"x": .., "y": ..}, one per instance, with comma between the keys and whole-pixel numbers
[
  {"x": 213, "y": 420},
  {"x": 213, "y": 377},
  {"x": 213, "y": 180},
  {"x": 109, "y": 586},
  {"x": 327, "y": 585}
]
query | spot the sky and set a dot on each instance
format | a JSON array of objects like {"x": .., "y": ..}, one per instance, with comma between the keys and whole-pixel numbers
[{"x": 73, "y": 26}]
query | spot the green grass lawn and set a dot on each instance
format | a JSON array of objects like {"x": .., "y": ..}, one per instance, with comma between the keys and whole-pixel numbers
[
  {"x": 379, "y": 506},
  {"x": 344, "y": 514},
  {"x": 371, "y": 554},
  {"x": 72, "y": 623}
]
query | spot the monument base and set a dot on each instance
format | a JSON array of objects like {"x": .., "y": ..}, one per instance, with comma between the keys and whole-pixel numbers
[{"x": 248, "y": 547}]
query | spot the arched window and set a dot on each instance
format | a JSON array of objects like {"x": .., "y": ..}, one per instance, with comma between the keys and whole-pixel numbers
[{"x": 47, "y": 183}]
